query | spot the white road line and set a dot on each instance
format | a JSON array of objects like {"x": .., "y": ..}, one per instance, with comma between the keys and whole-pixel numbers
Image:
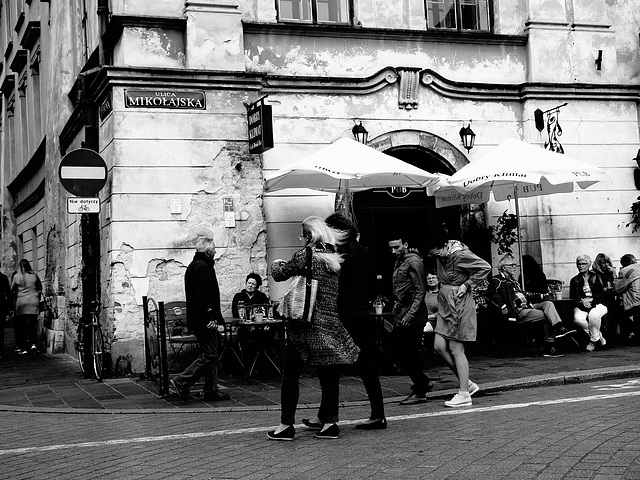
[{"x": 240, "y": 431}]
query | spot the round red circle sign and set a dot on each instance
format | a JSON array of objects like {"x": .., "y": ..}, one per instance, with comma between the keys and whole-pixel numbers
[{"x": 83, "y": 172}]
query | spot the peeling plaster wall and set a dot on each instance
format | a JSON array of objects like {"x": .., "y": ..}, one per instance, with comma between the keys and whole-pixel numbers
[
  {"x": 165, "y": 155},
  {"x": 342, "y": 57}
]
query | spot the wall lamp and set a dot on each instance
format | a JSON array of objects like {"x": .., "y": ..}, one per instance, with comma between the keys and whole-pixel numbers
[
  {"x": 467, "y": 136},
  {"x": 360, "y": 134}
]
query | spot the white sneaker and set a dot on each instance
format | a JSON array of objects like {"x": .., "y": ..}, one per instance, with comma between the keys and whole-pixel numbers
[
  {"x": 473, "y": 388},
  {"x": 603, "y": 342},
  {"x": 459, "y": 400}
]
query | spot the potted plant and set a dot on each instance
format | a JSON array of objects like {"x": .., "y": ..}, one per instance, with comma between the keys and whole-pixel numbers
[
  {"x": 635, "y": 216},
  {"x": 379, "y": 304},
  {"x": 504, "y": 233}
]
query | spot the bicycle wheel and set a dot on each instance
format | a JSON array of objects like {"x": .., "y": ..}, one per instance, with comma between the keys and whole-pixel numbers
[
  {"x": 80, "y": 348},
  {"x": 98, "y": 351}
]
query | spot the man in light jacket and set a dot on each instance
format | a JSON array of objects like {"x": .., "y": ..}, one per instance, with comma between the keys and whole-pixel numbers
[{"x": 627, "y": 285}]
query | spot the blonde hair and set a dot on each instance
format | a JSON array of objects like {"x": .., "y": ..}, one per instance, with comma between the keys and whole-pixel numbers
[{"x": 315, "y": 230}]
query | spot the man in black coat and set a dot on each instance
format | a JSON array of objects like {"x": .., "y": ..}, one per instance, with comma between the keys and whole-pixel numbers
[
  {"x": 203, "y": 317},
  {"x": 6, "y": 305}
]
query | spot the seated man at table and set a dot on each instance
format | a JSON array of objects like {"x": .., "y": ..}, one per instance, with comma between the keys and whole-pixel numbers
[
  {"x": 627, "y": 286},
  {"x": 505, "y": 292},
  {"x": 250, "y": 295}
]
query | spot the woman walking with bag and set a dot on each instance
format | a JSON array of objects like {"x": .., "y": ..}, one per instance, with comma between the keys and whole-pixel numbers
[
  {"x": 26, "y": 287},
  {"x": 323, "y": 341}
]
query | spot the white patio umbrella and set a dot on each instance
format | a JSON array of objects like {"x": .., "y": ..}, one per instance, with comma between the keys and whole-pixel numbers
[
  {"x": 513, "y": 170},
  {"x": 347, "y": 163},
  {"x": 344, "y": 167}
]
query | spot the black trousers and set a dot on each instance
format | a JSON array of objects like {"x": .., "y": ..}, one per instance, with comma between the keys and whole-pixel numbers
[
  {"x": 363, "y": 332},
  {"x": 406, "y": 347},
  {"x": 329, "y": 377}
]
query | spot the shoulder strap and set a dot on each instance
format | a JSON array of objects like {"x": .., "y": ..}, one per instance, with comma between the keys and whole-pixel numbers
[{"x": 307, "y": 296}]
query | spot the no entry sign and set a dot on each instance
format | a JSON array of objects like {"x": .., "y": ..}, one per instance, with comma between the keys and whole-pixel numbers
[{"x": 83, "y": 172}]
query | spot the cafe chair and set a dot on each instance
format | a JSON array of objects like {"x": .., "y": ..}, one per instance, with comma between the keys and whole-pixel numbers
[{"x": 181, "y": 341}]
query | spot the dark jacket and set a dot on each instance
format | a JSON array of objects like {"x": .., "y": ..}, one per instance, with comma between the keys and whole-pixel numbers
[
  {"x": 354, "y": 291},
  {"x": 598, "y": 292},
  {"x": 501, "y": 292},
  {"x": 257, "y": 299},
  {"x": 6, "y": 297},
  {"x": 202, "y": 293},
  {"x": 409, "y": 287}
]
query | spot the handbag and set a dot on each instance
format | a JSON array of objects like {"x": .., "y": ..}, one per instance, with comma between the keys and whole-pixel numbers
[
  {"x": 42, "y": 306},
  {"x": 299, "y": 301}
]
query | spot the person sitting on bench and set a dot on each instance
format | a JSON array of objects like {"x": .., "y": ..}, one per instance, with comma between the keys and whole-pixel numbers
[{"x": 505, "y": 293}]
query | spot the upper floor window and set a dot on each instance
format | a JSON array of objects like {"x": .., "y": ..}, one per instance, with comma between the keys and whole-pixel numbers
[
  {"x": 314, "y": 11},
  {"x": 458, "y": 14}
]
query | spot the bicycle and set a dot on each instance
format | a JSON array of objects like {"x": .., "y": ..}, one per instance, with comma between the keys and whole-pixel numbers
[{"x": 97, "y": 341}]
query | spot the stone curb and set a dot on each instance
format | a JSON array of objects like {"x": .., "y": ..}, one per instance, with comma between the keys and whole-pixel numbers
[{"x": 558, "y": 379}]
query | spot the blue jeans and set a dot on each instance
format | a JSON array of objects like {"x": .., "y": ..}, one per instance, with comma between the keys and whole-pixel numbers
[{"x": 206, "y": 364}]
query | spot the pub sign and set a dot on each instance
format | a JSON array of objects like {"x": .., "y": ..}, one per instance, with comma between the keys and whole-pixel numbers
[{"x": 260, "y": 125}]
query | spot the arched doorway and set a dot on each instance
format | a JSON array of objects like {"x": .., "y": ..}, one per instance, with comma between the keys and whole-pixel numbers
[{"x": 381, "y": 213}]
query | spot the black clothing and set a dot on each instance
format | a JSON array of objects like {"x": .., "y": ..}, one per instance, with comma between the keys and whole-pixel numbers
[
  {"x": 6, "y": 305},
  {"x": 258, "y": 298},
  {"x": 354, "y": 290},
  {"x": 353, "y": 309},
  {"x": 202, "y": 293}
]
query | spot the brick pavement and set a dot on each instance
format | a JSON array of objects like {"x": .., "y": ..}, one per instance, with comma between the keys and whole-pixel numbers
[{"x": 55, "y": 382}]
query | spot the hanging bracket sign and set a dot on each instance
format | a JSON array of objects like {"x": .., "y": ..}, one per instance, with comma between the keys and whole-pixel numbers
[{"x": 260, "y": 123}]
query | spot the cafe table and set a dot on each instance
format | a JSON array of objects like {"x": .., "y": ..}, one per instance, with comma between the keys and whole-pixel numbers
[{"x": 262, "y": 341}]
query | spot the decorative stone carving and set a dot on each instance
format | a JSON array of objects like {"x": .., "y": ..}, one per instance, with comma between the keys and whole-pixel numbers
[{"x": 408, "y": 89}]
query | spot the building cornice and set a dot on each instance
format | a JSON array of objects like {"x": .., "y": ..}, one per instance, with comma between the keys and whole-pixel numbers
[
  {"x": 143, "y": 77},
  {"x": 363, "y": 33}
]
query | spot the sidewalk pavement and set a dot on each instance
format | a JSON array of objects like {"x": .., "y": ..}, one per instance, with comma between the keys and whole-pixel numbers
[{"x": 44, "y": 382}]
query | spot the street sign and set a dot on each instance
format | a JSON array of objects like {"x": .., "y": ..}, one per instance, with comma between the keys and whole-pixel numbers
[
  {"x": 83, "y": 172},
  {"x": 83, "y": 205}
]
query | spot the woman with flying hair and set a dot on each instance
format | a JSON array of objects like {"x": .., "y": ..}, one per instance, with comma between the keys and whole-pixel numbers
[{"x": 323, "y": 342}]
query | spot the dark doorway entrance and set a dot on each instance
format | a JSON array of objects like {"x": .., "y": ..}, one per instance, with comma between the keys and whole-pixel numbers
[{"x": 383, "y": 213}]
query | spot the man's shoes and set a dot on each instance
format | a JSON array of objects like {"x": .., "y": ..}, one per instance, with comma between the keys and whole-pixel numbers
[
  {"x": 473, "y": 388},
  {"x": 216, "y": 396},
  {"x": 311, "y": 425},
  {"x": 182, "y": 392},
  {"x": 379, "y": 424},
  {"x": 603, "y": 342},
  {"x": 414, "y": 399},
  {"x": 552, "y": 352},
  {"x": 332, "y": 432},
  {"x": 459, "y": 400},
  {"x": 287, "y": 434},
  {"x": 590, "y": 347},
  {"x": 562, "y": 331},
  {"x": 34, "y": 349}
]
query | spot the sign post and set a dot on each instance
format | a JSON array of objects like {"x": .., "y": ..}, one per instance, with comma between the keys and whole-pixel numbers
[{"x": 83, "y": 173}]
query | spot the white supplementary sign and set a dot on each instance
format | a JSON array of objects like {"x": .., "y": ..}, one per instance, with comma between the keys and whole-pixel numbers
[{"x": 83, "y": 205}]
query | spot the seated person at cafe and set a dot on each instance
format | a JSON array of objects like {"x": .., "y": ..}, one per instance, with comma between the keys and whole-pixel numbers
[
  {"x": 505, "y": 293},
  {"x": 590, "y": 291},
  {"x": 627, "y": 285},
  {"x": 250, "y": 295}
]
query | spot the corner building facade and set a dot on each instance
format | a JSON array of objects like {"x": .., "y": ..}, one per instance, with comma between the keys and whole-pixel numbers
[{"x": 160, "y": 90}]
